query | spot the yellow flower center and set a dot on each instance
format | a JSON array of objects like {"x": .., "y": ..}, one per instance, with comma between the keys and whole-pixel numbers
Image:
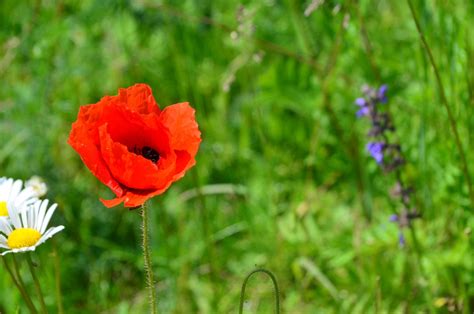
[
  {"x": 3, "y": 209},
  {"x": 23, "y": 237}
]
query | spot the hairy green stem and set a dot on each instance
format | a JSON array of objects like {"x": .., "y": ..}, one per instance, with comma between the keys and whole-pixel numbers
[
  {"x": 444, "y": 100},
  {"x": 36, "y": 283},
  {"x": 275, "y": 286},
  {"x": 146, "y": 256},
  {"x": 20, "y": 287}
]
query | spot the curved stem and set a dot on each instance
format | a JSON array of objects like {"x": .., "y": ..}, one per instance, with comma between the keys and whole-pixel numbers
[
  {"x": 275, "y": 286},
  {"x": 444, "y": 100},
  {"x": 36, "y": 282},
  {"x": 146, "y": 255},
  {"x": 21, "y": 288}
]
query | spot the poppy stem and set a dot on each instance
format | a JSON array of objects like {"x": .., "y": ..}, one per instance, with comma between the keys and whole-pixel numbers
[
  {"x": 36, "y": 282},
  {"x": 19, "y": 285},
  {"x": 146, "y": 255}
]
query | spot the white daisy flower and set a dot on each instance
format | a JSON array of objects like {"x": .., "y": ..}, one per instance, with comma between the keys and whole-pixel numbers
[
  {"x": 38, "y": 185},
  {"x": 12, "y": 194},
  {"x": 24, "y": 231}
]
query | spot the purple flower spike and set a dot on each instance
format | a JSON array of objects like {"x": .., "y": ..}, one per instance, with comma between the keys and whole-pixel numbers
[
  {"x": 401, "y": 239},
  {"x": 360, "y": 102},
  {"x": 375, "y": 149},
  {"x": 364, "y": 111},
  {"x": 382, "y": 93},
  {"x": 394, "y": 218}
]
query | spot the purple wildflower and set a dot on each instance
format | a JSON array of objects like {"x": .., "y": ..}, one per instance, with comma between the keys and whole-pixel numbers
[
  {"x": 360, "y": 102},
  {"x": 370, "y": 100},
  {"x": 382, "y": 94},
  {"x": 364, "y": 107},
  {"x": 364, "y": 111},
  {"x": 401, "y": 239},
  {"x": 405, "y": 217},
  {"x": 386, "y": 152},
  {"x": 375, "y": 149}
]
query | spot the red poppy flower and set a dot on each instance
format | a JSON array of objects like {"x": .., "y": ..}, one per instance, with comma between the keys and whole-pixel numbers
[{"x": 132, "y": 146}]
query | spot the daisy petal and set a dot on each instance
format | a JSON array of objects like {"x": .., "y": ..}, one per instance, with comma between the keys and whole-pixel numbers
[
  {"x": 24, "y": 219},
  {"x": 41, "y": 206},
  {"x": 14, "y": 216},
  {"x": 3, "y": 242},
  {"x": 5, "y": 226},
  {"x": 15, "y": 190},
  {"x": 27, "y": 196},
  {"x": 5, "y": 188},
  {"x": 48, "y": 234},
  {"x": 47, "y": 218},
  {"x": 24, "y": 212}
]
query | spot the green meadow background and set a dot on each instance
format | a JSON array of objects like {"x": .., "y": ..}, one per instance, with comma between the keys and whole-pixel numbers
[{"x": 282, "y": 179}]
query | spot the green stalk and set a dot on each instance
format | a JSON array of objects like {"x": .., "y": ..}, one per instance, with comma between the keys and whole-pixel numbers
[
  {"x": 275, "y": 287},
  {"x": 20, "y": 280},
  {"x": 146, "y": 256},
  {"x": 37, "y": 284},
  {"x": 426, "y": 291},
  {"x": 57, "y": 276},
  {"x": 20, "y": 287},
  {"x": 207, "y": 233},
  {"x": 378, "y": 295},
  {"x": 444, "y": 100},
  {"x": 206, "y": 227}
]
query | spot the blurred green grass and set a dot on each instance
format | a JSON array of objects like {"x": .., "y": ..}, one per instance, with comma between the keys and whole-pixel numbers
[{"x": 274, "y": 92}]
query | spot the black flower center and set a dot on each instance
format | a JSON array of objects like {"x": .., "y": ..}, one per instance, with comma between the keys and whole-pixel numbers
[{"x": 147, "y": 152}]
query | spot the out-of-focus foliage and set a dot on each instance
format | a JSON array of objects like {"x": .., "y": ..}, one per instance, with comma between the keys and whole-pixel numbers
[{"x": 286, "y": 183}]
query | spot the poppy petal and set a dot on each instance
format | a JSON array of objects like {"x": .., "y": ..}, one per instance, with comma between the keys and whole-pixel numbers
[
  {"x": 184, "y": 161},
  {"x": 82, "y": 140},
  {"x": 139, "y": 98},
  {"x": 112, "y": 203},
  {"x": 134, "y": 198},
  {"x": 131, "y": 170},
  {"x": 132, "y": 146},
  {"x": 182, "y": 125}
]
